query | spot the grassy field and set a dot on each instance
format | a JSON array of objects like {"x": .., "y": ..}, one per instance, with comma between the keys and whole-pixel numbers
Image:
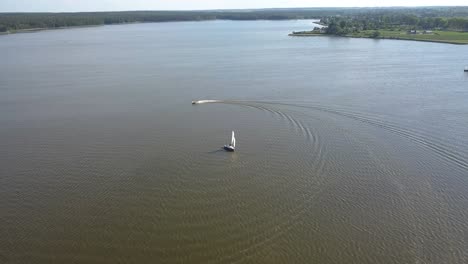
[
  {"x": 437, "y": 36},
  {"x": 451, "y": 37}
]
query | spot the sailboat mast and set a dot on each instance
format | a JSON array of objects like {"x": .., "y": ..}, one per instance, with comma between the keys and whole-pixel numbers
[{"x": 233, "y": 140}]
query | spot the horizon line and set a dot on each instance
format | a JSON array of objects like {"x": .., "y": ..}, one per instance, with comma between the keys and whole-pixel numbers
[{"x": 231, "y": 9}]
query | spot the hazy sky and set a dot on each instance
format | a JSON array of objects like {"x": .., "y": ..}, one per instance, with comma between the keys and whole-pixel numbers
[{"x": 106, "y": 5}]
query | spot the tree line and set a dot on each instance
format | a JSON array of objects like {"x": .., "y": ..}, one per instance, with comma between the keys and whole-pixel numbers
[
  {"x": 444, "y": 17},
  {"x": 346, "y": 25},
  {"x": 353, "y": 24},
  {"x": 19, "y": 21}
]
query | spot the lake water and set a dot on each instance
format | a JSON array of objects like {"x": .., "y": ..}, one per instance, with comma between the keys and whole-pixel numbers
[{"x": 348, "y": 150}]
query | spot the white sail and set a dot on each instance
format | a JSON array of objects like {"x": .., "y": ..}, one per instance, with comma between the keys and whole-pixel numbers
[{"x": 233, "y": 140}]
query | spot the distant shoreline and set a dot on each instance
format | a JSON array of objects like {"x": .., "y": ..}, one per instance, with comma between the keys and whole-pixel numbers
[
  {"x": 349, "y": 22},
  {"x": 294, "y": 34},
  {"x": 33, "y": 30},
  {"x": 313, "y": 34}
]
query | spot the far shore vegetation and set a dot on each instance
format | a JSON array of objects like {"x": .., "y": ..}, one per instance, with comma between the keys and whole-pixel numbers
[
  {"x": 17, "y": 22},
  {"x": 438, "y": 24},
  {"x": 418, "y": 26}
]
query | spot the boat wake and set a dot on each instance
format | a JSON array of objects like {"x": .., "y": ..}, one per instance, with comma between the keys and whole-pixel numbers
[
  {"x": 323, "y": 132},
  {"x": 439, "y": 146}
]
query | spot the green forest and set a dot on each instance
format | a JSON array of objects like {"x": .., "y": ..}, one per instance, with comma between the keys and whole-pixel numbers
[
  {"x": 347, "y": 25},
  {"x": 340, "y": 20}
]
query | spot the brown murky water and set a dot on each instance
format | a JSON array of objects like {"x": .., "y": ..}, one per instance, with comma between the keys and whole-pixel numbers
[{"x": 349, "y": 150}]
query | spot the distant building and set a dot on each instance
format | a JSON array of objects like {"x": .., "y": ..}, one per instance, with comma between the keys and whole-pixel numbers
[{"x": 319, "y": 30}]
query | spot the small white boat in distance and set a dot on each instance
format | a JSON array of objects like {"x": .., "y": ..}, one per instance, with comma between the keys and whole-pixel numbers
[
  {"x": 232, "y": 146},
  {"x": 205, "y": 101},
  {"x": 466, "y": 69}
]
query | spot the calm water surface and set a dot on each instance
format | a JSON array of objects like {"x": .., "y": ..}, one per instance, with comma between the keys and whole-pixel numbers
[{"x": 349, "y": 150}]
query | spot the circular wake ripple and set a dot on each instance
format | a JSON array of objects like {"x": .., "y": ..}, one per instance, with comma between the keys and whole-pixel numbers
[
  {"x": 441, "y": 148},
  {"x": 191, "y": 209},
  {"x": 227, "y": 224},
  {"x": 445, "y": 151}
]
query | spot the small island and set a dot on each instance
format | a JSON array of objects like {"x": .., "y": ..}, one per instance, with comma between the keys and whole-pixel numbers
[{"x": 452, "y": 30}]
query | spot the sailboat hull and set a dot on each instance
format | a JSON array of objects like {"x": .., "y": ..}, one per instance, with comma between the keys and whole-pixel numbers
[{"x": 228, "y": 148}]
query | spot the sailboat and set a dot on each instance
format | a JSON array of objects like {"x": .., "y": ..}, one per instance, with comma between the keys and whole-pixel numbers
[{"x": 232, "y": 146}]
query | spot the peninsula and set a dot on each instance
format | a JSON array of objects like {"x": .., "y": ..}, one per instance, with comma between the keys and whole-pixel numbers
[{"x": 394, "y": 25}]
